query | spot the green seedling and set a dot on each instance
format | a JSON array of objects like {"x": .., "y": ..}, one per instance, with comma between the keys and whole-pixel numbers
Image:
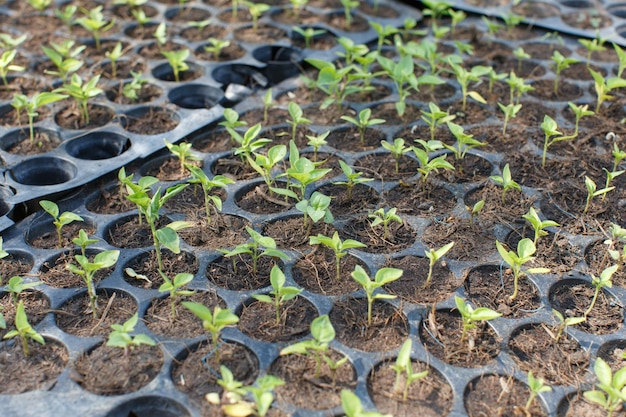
[
  {"x": 493, "y": 76},
  {"x": 160, "y": 35},
  {"x": 604, "y": 280},
  {"x": 81, "y": 91},
  {"x": 114, "y": 55},
  {"x": 475, "y": 210},
  {"x": 521, "y": 55},
  {"x": 516, "y": 260},
  {"x": 621, "y": 56},
  {"x": 564, "y": 323},
  {"x": 409, "y": 25},
  {"x": 579, "y": 112},
  {"x": 94, "y": 22},
  {"x": 231, "y": 122},
  {"x": 561, "y": 63},
  {"x": 250, "y": 142},
  {"x": 436, "y": 9},
  {"x": 132, "y": 88},
  {"x": 404, "y": 367},
  {"x": 338, "y": 247},
  {"x": 592, "y": 191},
  {"x": 384, "y": 217},
  {"x": 353, "y": 178},
  {"x": 302, "y": 172},
  {"x": 618, "y": 235},
  {"x": 120, "y": 336},
  {"x": 216, "y": 46},
  {"x": 59, "y": 220},
  {"x": 268, "y": 101},
  {"x": 219, "y": 181},
  {"x": 140, "y": 17},
  {"x": 213, "y": 322},
  {"x": 428, "y": 165},
  {"x": 87, "y": 270},
  {"x": 32, "y": 104},
  {"x": 618, "y": 156},
  {"x": 493, "y": 27},
  {"x": 256, "y": 10},
  {"x": 265, "y": 164},
  {"x": 537, "y": 224},
  {"x": 604, "y": 86},
  {"x": 612, "y": 388},
  {"x": 308, "y": 34},
  {"x": 174, "y": 288},
  {"x": 316, "y": 208},
  {"x": 280, "y": 294},
  {"x": 510, "y": 111},
  {"x": 64, "y": 57},
  {"x": 383, "y": 276},
  {"x": 233, "y": 403},
  {"x": 456, "y": 17},
  {"x": 464, "y": 141},
  {"x": 465, "y": 77},
  {"x": 260, "y": 246},
  {"x": 17, "y": 286},
  {"x": 40, "y": 5},
  {"x": 142, "y": 188},
  {"x": 610, "y": 176},
  {"x": 24, "y": 330},
  {"x": 433, "y": 256},
  {"x": 352, "y": 407},
  {"x": 8, "y": 42},
  {"x": 83, "y": 241},
  {"x": 511, "y": 20},
  {"x": 66, "y": 15},
  {"x": 176, "y": 59},
  {"x": 536, "y": 386},
  {"x": 348, "y": 6},
  {"x": 517, "y": 86},
  {"x": 592, "y": 45},
  {"x": 322, "y": 333},
  {"x": 435, "y": 118},
  {"x": 506, "y": 181},
  {"x": 384, "y": 32},
  {"x": 363, "y": 122},
  {"x": 397, "y": 149},
  {"x": 262, "y": 393},
  {"x": 183, "y": 152},
  {"x": 150, "y": 206},
  {"x": 297, "y": 118},
  {"x": 550, "y": 129},
  {"x": 335, "y": 82},
  {"x": 470, "y": 315},
  {"x": 298, "y": 6},
  {"x": 6, "y": 65},
  {"x": 317, "y": 142}
]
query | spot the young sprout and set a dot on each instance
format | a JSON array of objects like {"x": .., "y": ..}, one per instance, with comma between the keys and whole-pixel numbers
[
  {"x": 604, "y": 87},
  {"x": 338, "y": 246},
  {"x": 81, "y": 91},
  {"x": 120, "y": 336},
  {"x": 433, "y": 256},
  {"x": 262, "y": 393},
  {"x": 428, "y": 165},
  {"x": 308, "y": 34},
  {"x": 385, "y": 217},
  {"x": 475, "y": 210},
  {"x": 404, "y": 367},
  {"x": 521, "y": 55},
  {"x": 435, "y": 118},
  {"x": 516, "y": 260},
  {"x": 348, "y": 5},
  {"x": 537, "y": 224},
  {"x": 297, "y": 118},
  {"x": 260, "y": 246},
  {"x": 564, "y": 323},
  {"x": 510, "y": 111},
  {"x": 231, "y": 122},
  {"x": 464, "y": 77},
  {"x": 317, "y": 208},
  {"x": 317, "y": 142},
  {"x": 40, "y": 5},
  {"x": 17, "y": 286},
  {"x": 199, "y": 177},
  {"x": 6, "y": 65},
  {"x": 397, "y": 149},
  {"x": 280, "y": 294},
  {"x": 536, "y": 386},
  {"x": 493, "y": 77},
  {"x": 492, "y": 27},
  {"x": 67, "y": 15},
  {"x": 511, "y": 20},
  {"x": 213, "y": 322},
  {"x": 174, "y": 287},
  {"x": 618, "y": 156},
  {"x": 353, "y": 178},
  {"x": 83, "y": 241},
  {"x": 517, "y": 87},
  {"x": 94, "y": 22},
  {"x": 336, "y": 82},
  {"x": 268, "y": 101},
  {"x": 470, "y": 315},
  {"x": 23, "y": 329},
  {"x": 561, "y": 63},
  {"x": 64, "y": 58},
  {"x": 87, "y": 270},
  {"x": 303, "y": 172},
  {"x": 352, "y": 407},
  {"x": 610, "y": 176},
  {"x": 32, "y": 104},
  {"x": 506, "y": 181},
  {"x": 297, "y": 6},
  {"x": 464, "y": 141},
  {"x": 592, "y": 45},
  {"x": 265, "y": 164},
  {"x": 183, "y": 152},
  {"x": 323, "y": 333},
  {"x": 383, "y": 276},
  {"x": 127, "y": 187},
  {"x": 176, "y": 60},
  {"x": 612, "y": 388},
  {"x": 579, "y": 112},
  {"x": 604, "y": 280},
  {"x": 114, "y": 55},
  {"x": 384, "y": 32},
  {"x": 592, "y": 192},
  {"x": 59, "y": 220},
  {"x": 621, "y": 56},
  {"x": 216, "y": 46},
  {"x": 364, "y": 122},
  {"x": 249, "y": 142},
  {"x": 160, "y": 35},
  {"x": 436, "y": 9},
  {"x": 549, "y": 128},
  {"x": 456, "y": 16},
  {"x": 131, "y": 89},
  {"x": 256, "y": 10}
]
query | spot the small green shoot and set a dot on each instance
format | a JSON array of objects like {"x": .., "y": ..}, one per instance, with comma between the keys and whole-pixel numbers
[
  {"x": 24, "y": 330},
  {"x": 384, "y": 217},
  {"x": 93, "y": 21},
  {"x": 338, "y": 247},
  {"x": 216, "y": 46},
  {"x": 87, "y": 270},
  {"x": 397, "y": 149},
  {"x": 260, "y": 246},
  {"x": 280, "y": 294},
  {"x": 433, "y": 256},
  {"x": 120, "y": 336},
  {"x": 404, "y": 367},
  {"x": 317, "y": 207},
  {"x": 59, "y": 220},
  {"x": 536, "y": 386},
  {"x": 317, "y": 142},
  {"x": 592, "y": 191},
  {"x": 464, "y": 141},
  {"x": 352, "y": 406},
  {"x": 363, "y": 122},
  {"x": 6, "y": 65},
  {"x": 383, "y": 276},
  {"x": 17, "y": 286},
  {"x": 470, "y": 315},
  {"x": 297, "y": 118},
  {"x": 564, "y": 323},
  {"x": 506, "y": 181},
  {"x": 174, "y": 287},
  {"x": 176, "y": 59},
  {"x": 198, "y": 176},
  {"x": 612, "y": 388},
  {"x": 516, "y": 260},
  {"x": 537, "y": 224},
  {"x": 435, "y": 118},
  {"x": 81, "y": 91},
  {"x": 510, "y": 111},
  {"x": 308, "y": 34},
  {"x": 213, "y": 322},
  {"x": 561, "y": 63},
  {"x": 183, "y": 152},
  {"x": 604, "y": 280},
  {"x": 604, "y": 86},
  {"x": 353, "y": 178}
]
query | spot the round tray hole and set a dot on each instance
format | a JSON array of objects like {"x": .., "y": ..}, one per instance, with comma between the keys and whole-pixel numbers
[
  {"x": 195, "y": 96},
  {"x": 577, "y": 4},
  {"x": 98, "y": 145},
  {"x": 282, "y": 62},
  {"x": 43, "y": 171},
  {"x": 241, "y": 74},
  {"x": 149, "y": 406},
  {"x": 618, "y": 10}
]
